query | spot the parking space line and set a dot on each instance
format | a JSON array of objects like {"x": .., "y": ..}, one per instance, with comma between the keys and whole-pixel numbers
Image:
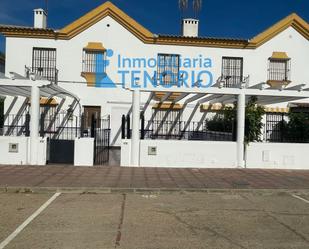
[
  {"x": 300, "y": 198},
  {"x": 28, "y": 221}
]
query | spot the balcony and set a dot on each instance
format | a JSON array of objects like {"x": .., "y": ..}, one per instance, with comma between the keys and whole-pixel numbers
[{"x": 46, "y": 73}]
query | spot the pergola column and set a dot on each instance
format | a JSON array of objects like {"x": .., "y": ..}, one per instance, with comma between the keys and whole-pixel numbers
[
  {"x": 34, "y": 123},
  {"x": 241, "y": 113},
  {"x": 135, "y": 139}
]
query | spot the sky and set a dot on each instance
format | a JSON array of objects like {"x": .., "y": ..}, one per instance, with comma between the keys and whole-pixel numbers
[{"x": 219, "y": 18}]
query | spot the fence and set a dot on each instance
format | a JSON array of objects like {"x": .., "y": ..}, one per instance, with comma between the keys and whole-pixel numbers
[
  {"x": 15, "y": 125},
  {"x": 177, "y": 130},
  {"x": 277, "y": 129},
  {"x": 64, "y": 126}
]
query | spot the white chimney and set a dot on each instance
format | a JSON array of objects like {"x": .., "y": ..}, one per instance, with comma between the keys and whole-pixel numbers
[
  {"x": 190, "y": 27},
  {"x": 40, "y": 19}
]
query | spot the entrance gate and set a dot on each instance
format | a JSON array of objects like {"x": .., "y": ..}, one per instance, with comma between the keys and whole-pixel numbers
[
  {"x": 101, "y": 140},
  {"x": 60, "y": 151}
]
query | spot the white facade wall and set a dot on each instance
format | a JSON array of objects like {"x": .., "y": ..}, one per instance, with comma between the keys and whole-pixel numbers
[
  {"x": 20, "y": 156},
  {"x": 121, "y": 41},
  {"x": 83, "y": 151},
  {"x": 194, "y": 154},
  {"x": 277, "y": 156},
  {"x": 183, "y": 154}
]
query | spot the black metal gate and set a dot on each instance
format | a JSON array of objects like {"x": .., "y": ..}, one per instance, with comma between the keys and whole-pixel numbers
[
  {"x": 274, "y": 127},
  {"x": 101, "y": 140},
  {"x": 60, "y": 151}
]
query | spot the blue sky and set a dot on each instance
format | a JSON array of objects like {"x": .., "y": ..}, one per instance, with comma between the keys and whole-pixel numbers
[{"x": 220, "y": 18}]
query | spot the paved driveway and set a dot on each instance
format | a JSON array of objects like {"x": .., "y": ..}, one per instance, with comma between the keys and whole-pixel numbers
[{"x": 182, "y": 220}]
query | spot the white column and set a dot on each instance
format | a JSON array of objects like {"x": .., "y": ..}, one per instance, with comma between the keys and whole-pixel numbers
[
  {"x": 34, "y": 123},
  {"x": 135, "y": 139},
  {"x": 241, "y": 112}
]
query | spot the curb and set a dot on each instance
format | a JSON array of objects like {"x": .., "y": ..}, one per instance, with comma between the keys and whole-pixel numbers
[{"x": 104, "y": 190}]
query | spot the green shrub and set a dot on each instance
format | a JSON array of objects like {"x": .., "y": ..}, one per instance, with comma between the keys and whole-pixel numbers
[{"x": 225, "y": 120}]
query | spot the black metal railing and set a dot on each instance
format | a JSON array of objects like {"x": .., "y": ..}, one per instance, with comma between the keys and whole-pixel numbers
[
  {"x": 15, "y": 125},
  {"x": 177, "y": 130},
  {"x": 48, "y": 73},
  {"x": 278, "y": 130},
  {"x": 232, "y": 71},
  {"x": 279, "y": 70},
  {"x": 62, "y": 126}
]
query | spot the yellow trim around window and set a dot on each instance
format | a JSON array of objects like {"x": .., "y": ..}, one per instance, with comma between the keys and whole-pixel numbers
[
  {"x": 95, "y": 46},
  {"x": 280, "y": 56}
]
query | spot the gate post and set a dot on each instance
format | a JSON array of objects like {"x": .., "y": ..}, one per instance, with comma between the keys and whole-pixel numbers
[
  {"x": 123, "y": 127},
  {"x": 82, "y": 125},
  {"x": 142, "y": 126},
  {"x": 27, "y": 125},
  {"x": 42, "y": 125},
  {"x": 128, "y": 127},
  {"x": 93, "y": 125}
]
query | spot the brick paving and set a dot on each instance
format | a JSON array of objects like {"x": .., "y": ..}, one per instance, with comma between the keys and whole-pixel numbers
[{"x": 150, "y": 178}]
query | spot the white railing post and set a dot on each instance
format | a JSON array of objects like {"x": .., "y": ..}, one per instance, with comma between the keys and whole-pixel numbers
[
  {"x": 34, "y": 123},
  {"x": 135, "y": 139},
  {"x": 241, "y": 112}
]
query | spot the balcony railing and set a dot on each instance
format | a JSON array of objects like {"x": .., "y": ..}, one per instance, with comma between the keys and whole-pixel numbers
[{"x": 47, "y": 73}]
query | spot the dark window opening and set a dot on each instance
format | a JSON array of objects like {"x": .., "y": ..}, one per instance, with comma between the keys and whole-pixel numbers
[
  {"x": 279, "y": 69},
  {"x": 93, "y": 61},
  {"x": 168, "y": 69},
  {"x": 44, "y": 63},
  {"x": 89, "y": 113},
  {"x": 232, "y": 71}
]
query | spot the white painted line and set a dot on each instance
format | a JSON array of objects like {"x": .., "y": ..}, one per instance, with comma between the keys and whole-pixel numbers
[
  {"x": 28, "y": 221},
  {"x": 297, "y": 197}
]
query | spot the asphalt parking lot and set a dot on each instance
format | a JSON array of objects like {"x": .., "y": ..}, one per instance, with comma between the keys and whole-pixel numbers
[{"x": 181, "y": 220}]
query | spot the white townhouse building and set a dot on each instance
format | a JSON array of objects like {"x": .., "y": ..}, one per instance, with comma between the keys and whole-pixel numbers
[{"x": 97, "y": 58}]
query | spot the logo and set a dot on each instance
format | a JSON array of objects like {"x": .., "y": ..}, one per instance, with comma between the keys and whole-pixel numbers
[
  {"x": 167, "y": 70},
  {"x": 102, "y": 80}
]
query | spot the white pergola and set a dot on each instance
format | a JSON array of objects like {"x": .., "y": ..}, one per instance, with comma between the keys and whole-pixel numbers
[
  {"x": 215, "y": 94},
  {"x": 34, "y": 89}
]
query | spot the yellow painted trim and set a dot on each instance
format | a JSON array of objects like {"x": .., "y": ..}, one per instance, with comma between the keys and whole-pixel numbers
[
  {"x": 220, "y": 107},
  {"x": 93, "y": 78},
  {"x": 94, "y": 16},
  {"x": 90, "y": 78},
  {"x": 109, "y": 9},
  {"x": 214, "y": 107},
  {"x": 46, "y": 101},
  {"x": 276, "y": 110},
  {"x": 167, "y": 106},
  {"x": 280, "y": 56},
  {"x": 292, "y": 20},
  {"x": 159, "y": 96},
  {"x": 95, "y": 46},
  {"x": 278, "y": 83}
]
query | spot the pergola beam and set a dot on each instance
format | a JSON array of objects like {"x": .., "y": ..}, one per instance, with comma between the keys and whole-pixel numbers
[
  {"x": 166, "y": 97},
  {"x": 182, "y": 96},
  {"x": 232, "y": 91},
  {"x": 225, "y": 99},
  {"x": 194, "y": 98},
  {"x": 209, "y": 98},
  {"x": 12, "y": 91},
  {"x": 275, "y": 100}
]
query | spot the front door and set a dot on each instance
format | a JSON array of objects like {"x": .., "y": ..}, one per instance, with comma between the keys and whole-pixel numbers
[{"x": 89, "y": 112}]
